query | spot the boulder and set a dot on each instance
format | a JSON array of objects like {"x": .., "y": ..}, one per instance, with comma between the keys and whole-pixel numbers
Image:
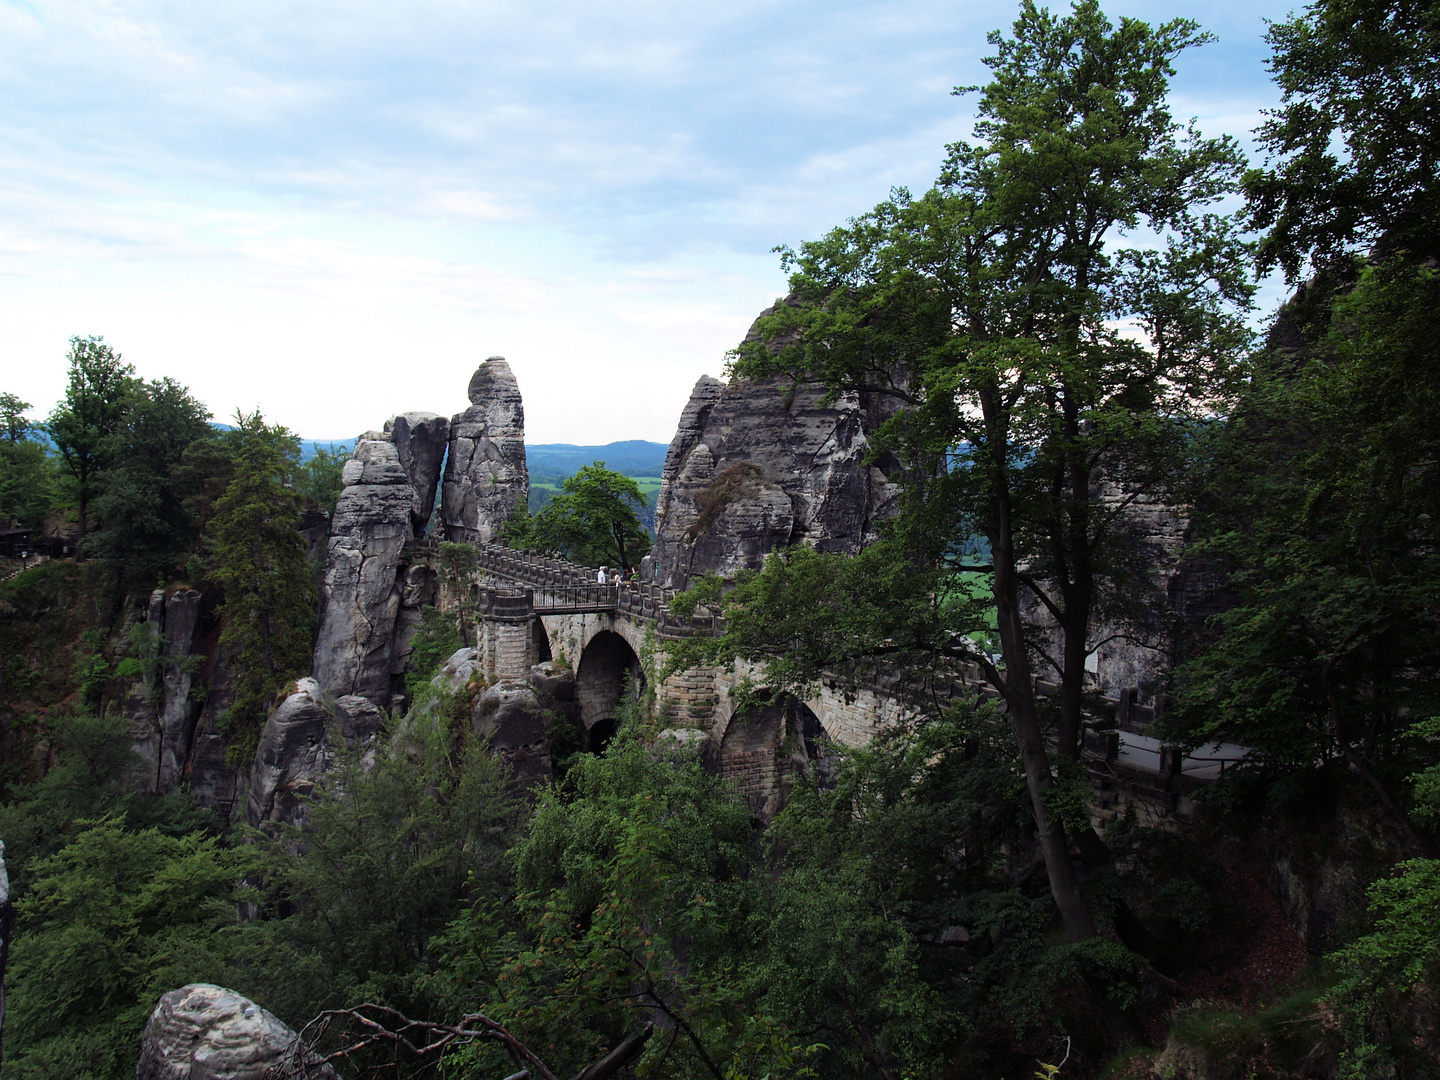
[
  {"x": 206, "y": 1032},
  {"x": 298, "y": 746},
  {"x": 758, "y": 465},
  {"x": 486, "y": 478},
  {"x": 455, "y": 672},
  {"x": 550, "y": 680}
]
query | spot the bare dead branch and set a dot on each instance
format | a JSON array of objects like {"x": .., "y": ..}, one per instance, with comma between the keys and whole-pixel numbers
[{"x": 369, "y": 1025}]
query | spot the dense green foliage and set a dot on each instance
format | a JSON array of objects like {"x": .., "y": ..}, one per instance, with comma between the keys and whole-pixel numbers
[
  {"x": 259, "y": 563},
  {"x": 27, "y": 475},
  {"x": 139, "y": 507},
  {"x": 1355, "y": 137},
  {"x": 320, "y": 480},
  {"x": 84, "y": 425}
]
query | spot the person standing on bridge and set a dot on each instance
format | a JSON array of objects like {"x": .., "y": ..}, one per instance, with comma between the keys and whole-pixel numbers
[{"x": 600, "y": 576}]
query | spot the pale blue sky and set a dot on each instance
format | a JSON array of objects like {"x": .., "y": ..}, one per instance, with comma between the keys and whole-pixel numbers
[{"x": 334, "y": 211}]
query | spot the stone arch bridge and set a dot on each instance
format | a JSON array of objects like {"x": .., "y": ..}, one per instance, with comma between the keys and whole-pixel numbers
[{"x": 532, "y": 608}]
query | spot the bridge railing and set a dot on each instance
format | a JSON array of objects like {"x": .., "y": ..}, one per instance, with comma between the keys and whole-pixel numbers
[
  {"x": 594, "y": 597},
  {"x": 564, "y": 581}
]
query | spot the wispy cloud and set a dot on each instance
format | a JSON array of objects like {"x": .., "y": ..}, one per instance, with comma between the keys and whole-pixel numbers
[{"x": 595, "y": 185}]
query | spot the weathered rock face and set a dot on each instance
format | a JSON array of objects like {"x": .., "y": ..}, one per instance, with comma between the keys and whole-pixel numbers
[
  {"x": 754, "y": 466},
  {"x": 511, "y": 716},
  {"x": 297, "y": 747},
  {"x": 205, "y": 1032},
  {"x": 486, "y": 477},
  {"x": 361, "y": 594},
  {"x": 420, "y": 439},
  {"x": 161, "y": 709},
  {"x": 214, "y": 781}
]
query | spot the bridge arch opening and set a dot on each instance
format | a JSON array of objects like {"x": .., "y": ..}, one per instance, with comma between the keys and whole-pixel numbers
[
  {"x": 766, "y": 746},
  {"x": 541, "y": 641},
  {"x": 607, "y": 667}
]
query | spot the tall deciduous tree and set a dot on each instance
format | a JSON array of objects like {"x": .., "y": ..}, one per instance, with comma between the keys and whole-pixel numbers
[
  {"x": 1356, "y": 141},
  {"x": 139, "y": 507},
  {"x": 269, "y": 607},
  {"x": 1322, "y": 494},
  {"x": 993, "y": 307},
  {"x": 13, "y": 425},
  {"x": 85, "y": 422}
]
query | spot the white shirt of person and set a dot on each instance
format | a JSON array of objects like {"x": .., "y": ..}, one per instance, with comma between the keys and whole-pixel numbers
[{"x": 600, "y": 576}]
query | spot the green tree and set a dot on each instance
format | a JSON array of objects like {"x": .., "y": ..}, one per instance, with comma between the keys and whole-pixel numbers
[
  {"x": 84, "y": 424},
  {"x": 320, "y": 481},
  {"x": 143, "y": 526},
  {"x": 593, "y": 521},
  {"x": 14, "y": 427},
  {"x": 392, "y": 848},
  {"x": 1355, "y": 143},
  {"x": 268, "y": 612},
  {"x": 989, "y": 309},
  {"x": 1319, "y": 499},
  {"x": 27, "y": 474},
  {"x": 1321, "y": 494},
  {"x": 636, "y": 882}
]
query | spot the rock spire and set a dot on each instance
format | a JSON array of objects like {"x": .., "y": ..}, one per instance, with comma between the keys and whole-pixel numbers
[{"x": 486, "y": 478}]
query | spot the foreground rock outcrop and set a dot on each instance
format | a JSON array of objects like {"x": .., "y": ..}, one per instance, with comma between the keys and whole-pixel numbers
[
  {"x": 486, "y": 477},
  {"x": 757, "y": 465},
  {"x": 206, "y": 1032}
]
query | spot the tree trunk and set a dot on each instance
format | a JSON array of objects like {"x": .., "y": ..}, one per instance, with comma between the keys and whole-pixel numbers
[
  {"x": 1073, "y": 526},
  {"x": 1018, "y": 688}
]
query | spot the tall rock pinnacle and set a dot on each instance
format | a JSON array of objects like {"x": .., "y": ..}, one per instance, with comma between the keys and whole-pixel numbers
[{"x": 486, "y": 479}]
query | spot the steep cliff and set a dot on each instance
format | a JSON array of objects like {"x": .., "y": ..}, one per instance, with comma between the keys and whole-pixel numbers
[
  {"x": 757, "y": 465},
  {"x": 361, "y": 593}
]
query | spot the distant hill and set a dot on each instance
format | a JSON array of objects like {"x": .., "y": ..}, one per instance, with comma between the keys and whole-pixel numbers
[
  {"x": 549, "y": 462},
  {"x": 339, "y": 446},
  {"x": 307, "y": 446}
]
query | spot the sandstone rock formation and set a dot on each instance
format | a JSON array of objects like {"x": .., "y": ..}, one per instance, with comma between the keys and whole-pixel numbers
[
  {"x": 298, "y": 746},
  {"x": 510, "y": 715},
  {"x": 361, "y": 594},
  {"x": 755, "y": 466},
  {"x": 205, "y": 1032},
  {"x": 162, "y": 711},
  {"x": 486, "y": 477},
  {"x": 420, "y": 439},
  {"x": 214, "y": 782}
]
